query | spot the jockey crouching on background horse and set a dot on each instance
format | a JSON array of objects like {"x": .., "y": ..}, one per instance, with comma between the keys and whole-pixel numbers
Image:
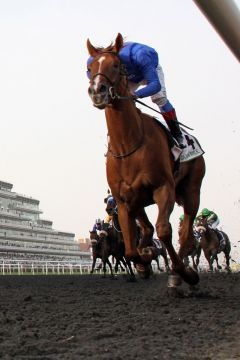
[
  {"x": 139, "y": 162},
  {"x": 213, "y": 221}
]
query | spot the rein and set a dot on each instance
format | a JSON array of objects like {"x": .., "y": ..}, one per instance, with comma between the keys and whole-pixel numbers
[{"x": 114, "y": 226}]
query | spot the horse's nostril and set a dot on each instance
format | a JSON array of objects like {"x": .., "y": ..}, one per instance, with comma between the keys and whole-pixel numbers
[
  {"x": 90, "y": 90},
  {"x": 103, "y": 89}
]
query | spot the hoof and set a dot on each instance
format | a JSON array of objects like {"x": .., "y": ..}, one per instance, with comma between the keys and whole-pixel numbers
[
  {"x": 190, "y": 276},
  {"x": 174, "y": 281},
  {"x": 144, "y": 271},
  {"x": 145, "y": 254}
]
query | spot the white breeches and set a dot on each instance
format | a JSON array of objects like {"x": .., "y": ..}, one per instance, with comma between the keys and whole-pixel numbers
[
  {"x": 214, "y": 224},
  {"x": 160, "y": 98}
]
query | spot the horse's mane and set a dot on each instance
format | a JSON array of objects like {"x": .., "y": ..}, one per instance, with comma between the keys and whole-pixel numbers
[{"x": 101, "y": 49}]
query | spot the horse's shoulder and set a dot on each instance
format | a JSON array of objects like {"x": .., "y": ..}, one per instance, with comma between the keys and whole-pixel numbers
[{"x": 154, "y": 124}]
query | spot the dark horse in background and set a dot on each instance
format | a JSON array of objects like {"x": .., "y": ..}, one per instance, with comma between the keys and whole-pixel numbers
[
  {"x": 194, "y": 255},
  {"x": 109, "y": 243},
  {"x": 111, "y": 209},
  {"x": 213, "y": 242},
  {"x": 100, "y": 250},
  {"x": 141, "y": 168}
]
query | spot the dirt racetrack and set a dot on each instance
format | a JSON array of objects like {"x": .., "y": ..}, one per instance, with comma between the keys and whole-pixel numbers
[{"x": 88, "y": 317}]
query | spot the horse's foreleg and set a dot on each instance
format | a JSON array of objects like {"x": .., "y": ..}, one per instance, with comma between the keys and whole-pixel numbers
[
  {"x": 158, "y": 265},
  {"x": 186, "y": 237},
  {"x": 93, "y": 264},
  {"x": 129, "y": 231},
  {"x": 208, "y": 257},
  {"x": 194, "y": 263},
  {"x": 146, "y": 229}
]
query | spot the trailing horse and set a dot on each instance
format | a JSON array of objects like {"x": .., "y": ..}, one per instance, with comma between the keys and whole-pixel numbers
[
  {"x": 141, "y": 168},
  {"x": 100, "y": 250},
  {"x": 160, "y": 249},
  {"x": 213, "y": 242},
  {"x": 194, "y": 254}
]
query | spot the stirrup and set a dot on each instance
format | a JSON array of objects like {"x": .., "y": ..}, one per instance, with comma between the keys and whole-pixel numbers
[
  {"x": 180, "y": 140},
  {"x": 180, "y": 144}
]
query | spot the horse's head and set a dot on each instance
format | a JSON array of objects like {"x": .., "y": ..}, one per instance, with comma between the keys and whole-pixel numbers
[
  {"x": 105, "y": 72},
  {"x": 93, "y": 237},
  {"x": 201, "y": 225}
]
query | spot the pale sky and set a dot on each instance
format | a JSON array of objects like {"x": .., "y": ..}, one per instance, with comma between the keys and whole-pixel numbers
[{"x": 53, "y": 140}]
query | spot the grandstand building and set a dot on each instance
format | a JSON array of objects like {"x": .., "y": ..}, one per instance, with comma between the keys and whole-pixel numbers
[{"x": 24, "y": 235}]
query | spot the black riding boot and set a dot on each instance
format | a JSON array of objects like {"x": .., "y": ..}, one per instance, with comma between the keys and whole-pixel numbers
[{"x": 171, "y": 119}]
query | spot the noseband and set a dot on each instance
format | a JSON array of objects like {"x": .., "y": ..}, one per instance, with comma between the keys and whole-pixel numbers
[{"x": 112, "y": 92}]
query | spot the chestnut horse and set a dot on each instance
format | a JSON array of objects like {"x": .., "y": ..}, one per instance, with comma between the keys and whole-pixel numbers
[{"x": 140, "y": 167}]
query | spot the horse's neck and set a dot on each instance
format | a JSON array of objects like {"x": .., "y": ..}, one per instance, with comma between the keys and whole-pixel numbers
[{"x": 124, "y": 126}]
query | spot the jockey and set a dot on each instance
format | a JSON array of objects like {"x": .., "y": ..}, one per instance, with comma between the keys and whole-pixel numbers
[
  {"x": 111, "y": 204},
  {"x": 143, "y": 68},
  {"x": 98, "y": 225},
  {"x": 211, "y": 216}
]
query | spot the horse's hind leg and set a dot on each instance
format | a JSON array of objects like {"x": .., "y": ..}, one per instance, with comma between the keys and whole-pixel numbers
[
  {"x": 227, "y": 257},
  {"x": 158, "y": 266},
  {"x": 188, "y": 194},
  {"x": 165, "y": 198},
  {"x": 218, "y": 266}
]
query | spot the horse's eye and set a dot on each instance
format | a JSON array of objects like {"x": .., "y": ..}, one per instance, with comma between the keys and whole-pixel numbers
[{"x": 115, "y": 66}]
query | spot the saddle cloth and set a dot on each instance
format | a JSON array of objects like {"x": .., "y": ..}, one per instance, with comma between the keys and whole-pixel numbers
[{"x": 192, "y": 150}]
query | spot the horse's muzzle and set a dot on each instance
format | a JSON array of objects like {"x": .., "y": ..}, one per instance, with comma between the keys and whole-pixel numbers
[{"x": 100, "y": 97}]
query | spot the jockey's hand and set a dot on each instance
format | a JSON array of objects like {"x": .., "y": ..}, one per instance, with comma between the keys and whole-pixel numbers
[{"x": 134, "y": 97}]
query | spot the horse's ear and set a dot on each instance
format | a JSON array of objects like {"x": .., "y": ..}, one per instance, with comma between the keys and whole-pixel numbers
[
  {"x": 118, "y": 43},
  {"x": 91, "y": 49}
]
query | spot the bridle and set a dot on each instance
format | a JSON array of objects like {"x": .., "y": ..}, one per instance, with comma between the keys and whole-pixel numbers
[{"x": 112, "y": 89}]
